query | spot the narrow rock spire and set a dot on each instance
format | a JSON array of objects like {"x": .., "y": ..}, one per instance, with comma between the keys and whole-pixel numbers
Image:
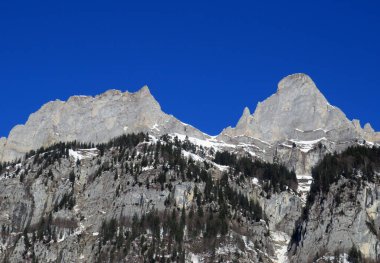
[{"x": 244, "y": 119}]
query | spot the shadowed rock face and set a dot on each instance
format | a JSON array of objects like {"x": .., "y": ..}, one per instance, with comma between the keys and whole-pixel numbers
[
  {"x": 92, "y": 119},
  {"x": 298, "y": 110}
]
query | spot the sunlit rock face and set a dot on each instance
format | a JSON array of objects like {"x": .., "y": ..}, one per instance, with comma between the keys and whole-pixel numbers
[
  {"x": 297, "y": 110},
  {"x": 297, "y": 126},
  {"x": 297, "y": 113},
  {"x": 92, "y": 119}
]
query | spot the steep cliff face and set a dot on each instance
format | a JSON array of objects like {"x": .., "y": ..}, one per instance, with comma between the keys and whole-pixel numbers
[
  {"x": 92, "y": 119},
  {"x": 342, "y": 210},
  {"x": 283, "y": 209},
  {"x": 347, "y": 217}
]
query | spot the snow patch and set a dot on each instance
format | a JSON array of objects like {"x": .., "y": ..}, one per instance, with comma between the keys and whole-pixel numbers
[
  {"x": 343, "y": 258},
  {"x": 81, "y": 154},
  {"x": 80, "y": 229},
  {"x": 147, "y": 168},
  {"x": 208, "y": 143},
  {"x": 152, "y": 138},
  {"x": 255, "y": 181},
  {"x": 61, "y": 239},
  {"x": 318, "y": 129},
  {"x": 223, "y": 168},
  {"x": 155, "y": 127},
  {"x": 304, "y": 177},
  {"x": 304, "y": 184},
  {"x": 192, "y": 156},
  {"x": 257, "y": 139},
  {"x": 281, "y": 241},
  {"x": 331, "y": 106},
  {"x": 194, "y": 258},
  {"x": 306, "y": 146}
]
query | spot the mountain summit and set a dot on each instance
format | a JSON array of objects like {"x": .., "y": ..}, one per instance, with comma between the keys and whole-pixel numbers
[
  {"x": 92, "y": 119},
  {"x": 298, "y": 110}
]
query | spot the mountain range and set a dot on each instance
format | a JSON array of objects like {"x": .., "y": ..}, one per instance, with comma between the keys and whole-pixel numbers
[
  {"x": 296, "y": 115},
  {"x": 297, "y": 111}
]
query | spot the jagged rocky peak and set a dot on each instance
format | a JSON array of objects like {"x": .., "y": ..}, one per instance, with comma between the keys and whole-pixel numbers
[
  {"x": 92, "y": 119},
  {"x": 368, "y": 128},
  {"x": 366, "y": 132},
  {"x": 245, "y": 118},
  {"x": 145, "y": 91},
  {"x": 298, "y": 110},
  {"x": 246, "y": 112}
]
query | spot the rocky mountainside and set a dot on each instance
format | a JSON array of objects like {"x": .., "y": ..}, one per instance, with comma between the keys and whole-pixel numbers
[
  {"x": 292, "y": 124},
  {"x": 140, "y": 198},
  {"x": 342, "y": 210},
  {"x": 296, "y": 115},
  {"x": 299, "y": 111},
  {"x": 112, "y": 178},
  {"x": 92, "y": 119}
]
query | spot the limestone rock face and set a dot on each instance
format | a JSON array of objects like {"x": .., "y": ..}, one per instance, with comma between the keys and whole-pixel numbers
[
  {"x": 297, "y": 126},
  {"x": 283, "y": 209},
  {"x": 298, "y": 110},
  {"x": 3, "y": 141},
  {"x": 245, "y": 119},
  {"x": 92, "y": 119},
  {"x": 332, "y": 225}
]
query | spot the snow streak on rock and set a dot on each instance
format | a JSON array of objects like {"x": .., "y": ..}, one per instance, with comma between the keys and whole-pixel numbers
[{"x": 280, "y": 242}]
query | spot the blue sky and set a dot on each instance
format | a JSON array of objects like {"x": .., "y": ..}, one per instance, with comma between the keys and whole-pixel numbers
[{"x": 204, "y": 61}]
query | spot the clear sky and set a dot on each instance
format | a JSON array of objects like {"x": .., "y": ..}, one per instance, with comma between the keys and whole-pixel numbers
[{"x": 204, "y": 61}]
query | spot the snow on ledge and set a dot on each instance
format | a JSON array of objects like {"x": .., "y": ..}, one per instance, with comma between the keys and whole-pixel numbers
[
  {"x": 155, "y": 127},
  {"x": 207, "y": 143},
  {"x": 306, "y": 146}
]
